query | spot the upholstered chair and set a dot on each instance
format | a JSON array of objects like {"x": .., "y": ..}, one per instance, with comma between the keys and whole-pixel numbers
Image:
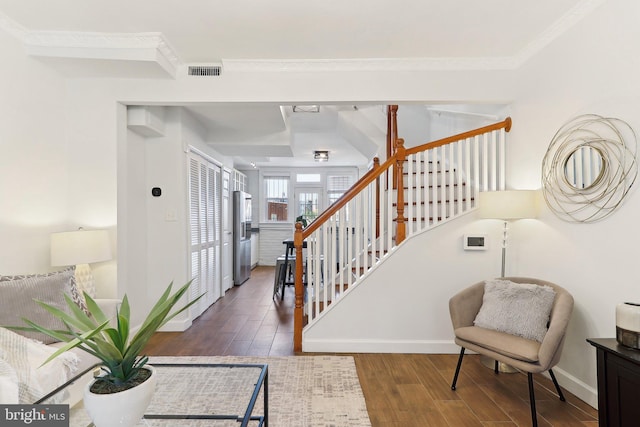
[{"x": 526, "y": 351}]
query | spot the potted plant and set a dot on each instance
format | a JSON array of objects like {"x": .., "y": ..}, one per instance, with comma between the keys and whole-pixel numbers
[
  {"x": 303, "y": 220},
  {"x": 126, "y": 373}
]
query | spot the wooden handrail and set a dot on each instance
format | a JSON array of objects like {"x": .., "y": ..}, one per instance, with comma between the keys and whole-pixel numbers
[
  {"x": 392, "y": 136},
  {"x": 300, "y": 235},
  {"x": 376, "y": 164},
  {"x": 400, "y": 156},
  {"x": 506, "y": 124},
  {"x": 298, "y": 315},
  {"x": 392, "y": 129},
  {"x": 366, "y": 179},
  {"x": 396, "y": 158}
]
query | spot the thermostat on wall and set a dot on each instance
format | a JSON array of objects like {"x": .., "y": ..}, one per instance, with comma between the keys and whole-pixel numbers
[{"x": 475, "y": 242}]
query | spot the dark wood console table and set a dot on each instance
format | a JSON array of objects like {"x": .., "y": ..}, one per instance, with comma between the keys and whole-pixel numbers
[{"x": 618, "y": 383}]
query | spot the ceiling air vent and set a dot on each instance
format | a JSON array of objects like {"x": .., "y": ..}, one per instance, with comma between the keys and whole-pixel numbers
[{"x": 205, "y": 70}]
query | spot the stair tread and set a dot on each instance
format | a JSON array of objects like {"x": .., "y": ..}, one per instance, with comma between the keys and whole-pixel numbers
[
  {"x": 395, "y": 204},
  {"x": 437, "y": 185},
  {"x": 422, "y": 172},
  {"x": 414, "y": 219}
]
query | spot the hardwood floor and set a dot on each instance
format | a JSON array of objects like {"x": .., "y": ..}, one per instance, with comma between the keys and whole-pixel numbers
[{"x": 400, "y": 389}]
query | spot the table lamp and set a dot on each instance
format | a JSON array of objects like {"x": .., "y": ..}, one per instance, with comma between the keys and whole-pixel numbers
[
  {"x": 507, "y": 205},
  {"x": 80, "y": 248}
]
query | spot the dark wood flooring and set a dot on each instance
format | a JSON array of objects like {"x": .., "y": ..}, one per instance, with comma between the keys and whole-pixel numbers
[{"x": 400, "y": 389}]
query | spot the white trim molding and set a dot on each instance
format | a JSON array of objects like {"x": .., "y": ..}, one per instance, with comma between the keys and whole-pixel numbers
[
  {"x": 367, "y": 64},
  {"x": 12, "y": 27},
  {"x": 155, "y": 47},
  {"x": 379, "y": 346},
  {"x": 110, "y": 46}
]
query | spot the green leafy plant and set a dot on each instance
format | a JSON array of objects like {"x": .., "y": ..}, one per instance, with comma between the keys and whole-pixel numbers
[
  {"x": 303, "y": 220},
  {"x": 120, "y": 354}
]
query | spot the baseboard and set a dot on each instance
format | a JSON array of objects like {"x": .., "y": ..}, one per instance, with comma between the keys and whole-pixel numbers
[
  {"x": 581, "y": 390},
  {"x": 378, "y": 346},
  {"x": 176, "y": 325}
]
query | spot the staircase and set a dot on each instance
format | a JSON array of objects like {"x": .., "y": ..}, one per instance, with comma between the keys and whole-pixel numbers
[{"x": 413, "y": 190}]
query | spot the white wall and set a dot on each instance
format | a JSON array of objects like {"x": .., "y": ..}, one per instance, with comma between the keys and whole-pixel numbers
[
  {"x": 156, "y": 228},
  {"x": 167, "y": 215},
  {"x": 50, "y": 181},
  {"x": 32, "y": 206},
  {"x": 594, "y": 68},
  {"x": 132, "y": 217}
]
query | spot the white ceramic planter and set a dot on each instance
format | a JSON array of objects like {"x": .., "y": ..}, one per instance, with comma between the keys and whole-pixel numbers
[{"x": 123, "y": 409}]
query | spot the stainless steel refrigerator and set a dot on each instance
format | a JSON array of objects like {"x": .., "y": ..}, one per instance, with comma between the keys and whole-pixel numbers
[{"x": 241, "y": 237}]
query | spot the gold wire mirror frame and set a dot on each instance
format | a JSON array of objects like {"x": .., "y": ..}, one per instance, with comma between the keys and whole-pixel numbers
[{"x": 589, "y": 168}]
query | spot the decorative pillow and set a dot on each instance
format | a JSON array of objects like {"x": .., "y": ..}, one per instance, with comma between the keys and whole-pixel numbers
[
  {"x": 23, "y": 378},
  {"x": 75, "y": 293},
  {"x": 18, "y": 296},
  {"x": 520, "y": 309}
]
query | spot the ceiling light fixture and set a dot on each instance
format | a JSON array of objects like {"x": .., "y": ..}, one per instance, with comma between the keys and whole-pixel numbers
[
  {"x": 306, "y": 108},
  {"x": 321, "y": 155}
]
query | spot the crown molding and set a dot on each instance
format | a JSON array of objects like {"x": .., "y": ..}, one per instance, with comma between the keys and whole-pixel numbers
[
  {"x": 556, "y": 29},
  {"x": 110, "y": 46},
  {"x": 368, "y": 64},
  {"x": 145, "y": 47},
  {"x": 154, "y": 47},
  {"x": 12, "y": 27}
]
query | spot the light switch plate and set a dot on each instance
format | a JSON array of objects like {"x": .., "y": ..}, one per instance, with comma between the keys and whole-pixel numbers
[{"x": 171, "y": 215}]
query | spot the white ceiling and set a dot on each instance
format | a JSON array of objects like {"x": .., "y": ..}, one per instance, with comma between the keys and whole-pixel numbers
[
  {"x": 211, "y": 31},
  {"x": 87, "y": 38},
  {"x": 273, "y": 135}
]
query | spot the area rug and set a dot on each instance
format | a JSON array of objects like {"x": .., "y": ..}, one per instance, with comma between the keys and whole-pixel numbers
[{"x": 317, "y": 391}]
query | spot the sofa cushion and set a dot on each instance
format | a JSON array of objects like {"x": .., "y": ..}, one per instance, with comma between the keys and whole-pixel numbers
[
  {"x": 75, "y": 293},
  {"x": 520, "y": 309},
  {"x": 18, "y": 297},
  {"x": 500, "y": 342},
  {"x": 24, "y": 378}
]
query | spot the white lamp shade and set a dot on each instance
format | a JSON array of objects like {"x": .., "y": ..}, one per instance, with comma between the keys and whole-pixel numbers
[
  {"x": 80, "y": 247},
  {"x": 512, "y": 204}
]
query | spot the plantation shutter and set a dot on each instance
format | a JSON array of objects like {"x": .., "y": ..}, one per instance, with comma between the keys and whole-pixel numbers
[{"x": 204, "y": 217}]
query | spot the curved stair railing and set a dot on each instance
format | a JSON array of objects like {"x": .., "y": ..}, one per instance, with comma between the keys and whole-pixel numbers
[{"x": 415, "y": 189}]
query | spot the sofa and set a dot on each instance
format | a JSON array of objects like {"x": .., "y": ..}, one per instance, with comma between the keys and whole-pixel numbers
[{"x": 23, "y": 377}]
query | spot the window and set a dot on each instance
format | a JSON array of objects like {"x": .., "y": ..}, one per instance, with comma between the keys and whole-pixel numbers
[
  {"x": 337, "y": 185},
  {"x": 288, "y": 196},
  {"x": 276, "y": 190},
  {"x": 308, "y": 201},
  {"x": 308, "y": 177}
]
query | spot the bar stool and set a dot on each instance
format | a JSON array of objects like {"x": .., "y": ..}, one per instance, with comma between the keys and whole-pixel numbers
[{"x": 285, "y": 269}]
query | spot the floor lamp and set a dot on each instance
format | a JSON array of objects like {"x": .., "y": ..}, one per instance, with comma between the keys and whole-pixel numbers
[
  {"x": 507, "y": 206},
  {"x": 81, "y": 248}
]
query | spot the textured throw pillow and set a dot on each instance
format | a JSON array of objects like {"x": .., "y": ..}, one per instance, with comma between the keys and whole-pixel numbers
[
  {"x": 18, "y": 296},
  {"x": 75, "y": 293},
  {"x": 520, "y": 309}
]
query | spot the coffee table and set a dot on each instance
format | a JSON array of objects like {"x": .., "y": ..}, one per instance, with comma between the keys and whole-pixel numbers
[{"x": 199, "y": 394}]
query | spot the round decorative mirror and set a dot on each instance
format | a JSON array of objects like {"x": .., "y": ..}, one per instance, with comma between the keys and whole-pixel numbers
[
  {"x": 589, "y": 168},
  {"x": 584, "y": 167}
]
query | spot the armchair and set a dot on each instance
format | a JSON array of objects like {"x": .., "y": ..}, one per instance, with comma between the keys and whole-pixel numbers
[{"x": 526, "y": 354}]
